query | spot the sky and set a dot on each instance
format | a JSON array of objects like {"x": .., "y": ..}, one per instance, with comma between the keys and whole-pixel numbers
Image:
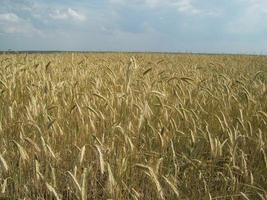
[{"x": 199, "y": 26}]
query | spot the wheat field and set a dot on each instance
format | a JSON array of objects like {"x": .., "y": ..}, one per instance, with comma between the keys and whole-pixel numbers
[{"x": 134, "y": 126}]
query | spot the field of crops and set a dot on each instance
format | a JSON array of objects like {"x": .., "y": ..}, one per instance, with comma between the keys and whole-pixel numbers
[{"x": 133, "y": 126}]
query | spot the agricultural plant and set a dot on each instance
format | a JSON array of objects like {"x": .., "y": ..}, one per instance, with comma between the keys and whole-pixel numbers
[{"x": 133, "y": 126}]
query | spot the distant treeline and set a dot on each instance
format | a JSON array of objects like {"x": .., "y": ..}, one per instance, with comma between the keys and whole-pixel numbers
[{"x": 124, "y": 52}]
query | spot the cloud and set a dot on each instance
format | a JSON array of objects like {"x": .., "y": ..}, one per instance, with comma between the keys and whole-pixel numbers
[
  {"x": 8, "y": 17},
  {"x": 182, "y": 6},
  {"x": 251, "y": 19},
  {"x": 186, "y": 6},
  {"x": 149, "y": 3},
  {"x": 67, "y": 14},
  {"x": 156, "y": 25},
  {"x": 10, "y": 23}
]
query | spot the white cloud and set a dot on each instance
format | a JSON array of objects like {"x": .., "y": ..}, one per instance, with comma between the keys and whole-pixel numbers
[
  {"x": 186, "y": 6},
  {"x": 156, "y": 3},
  {"x": 182, "y": 6},
  {"x": 67, "y": 14},
  {"x": 8, "y": 17},
  {"x": 252, "y": 18},
  {"x": 10, "y": 23},
  {"x": 149, "y": 3},
  {"x": 76, "y": 15}
]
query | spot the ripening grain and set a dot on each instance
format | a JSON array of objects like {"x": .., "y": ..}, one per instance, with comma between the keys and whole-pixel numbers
[{"x": 133, "y": 126}]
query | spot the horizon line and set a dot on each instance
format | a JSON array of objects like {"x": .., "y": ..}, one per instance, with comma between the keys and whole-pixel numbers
[{"x": 117, "y": 51}]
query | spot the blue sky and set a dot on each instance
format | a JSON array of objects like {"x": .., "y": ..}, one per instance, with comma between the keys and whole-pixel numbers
[{"x": 211, "y": 26}]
